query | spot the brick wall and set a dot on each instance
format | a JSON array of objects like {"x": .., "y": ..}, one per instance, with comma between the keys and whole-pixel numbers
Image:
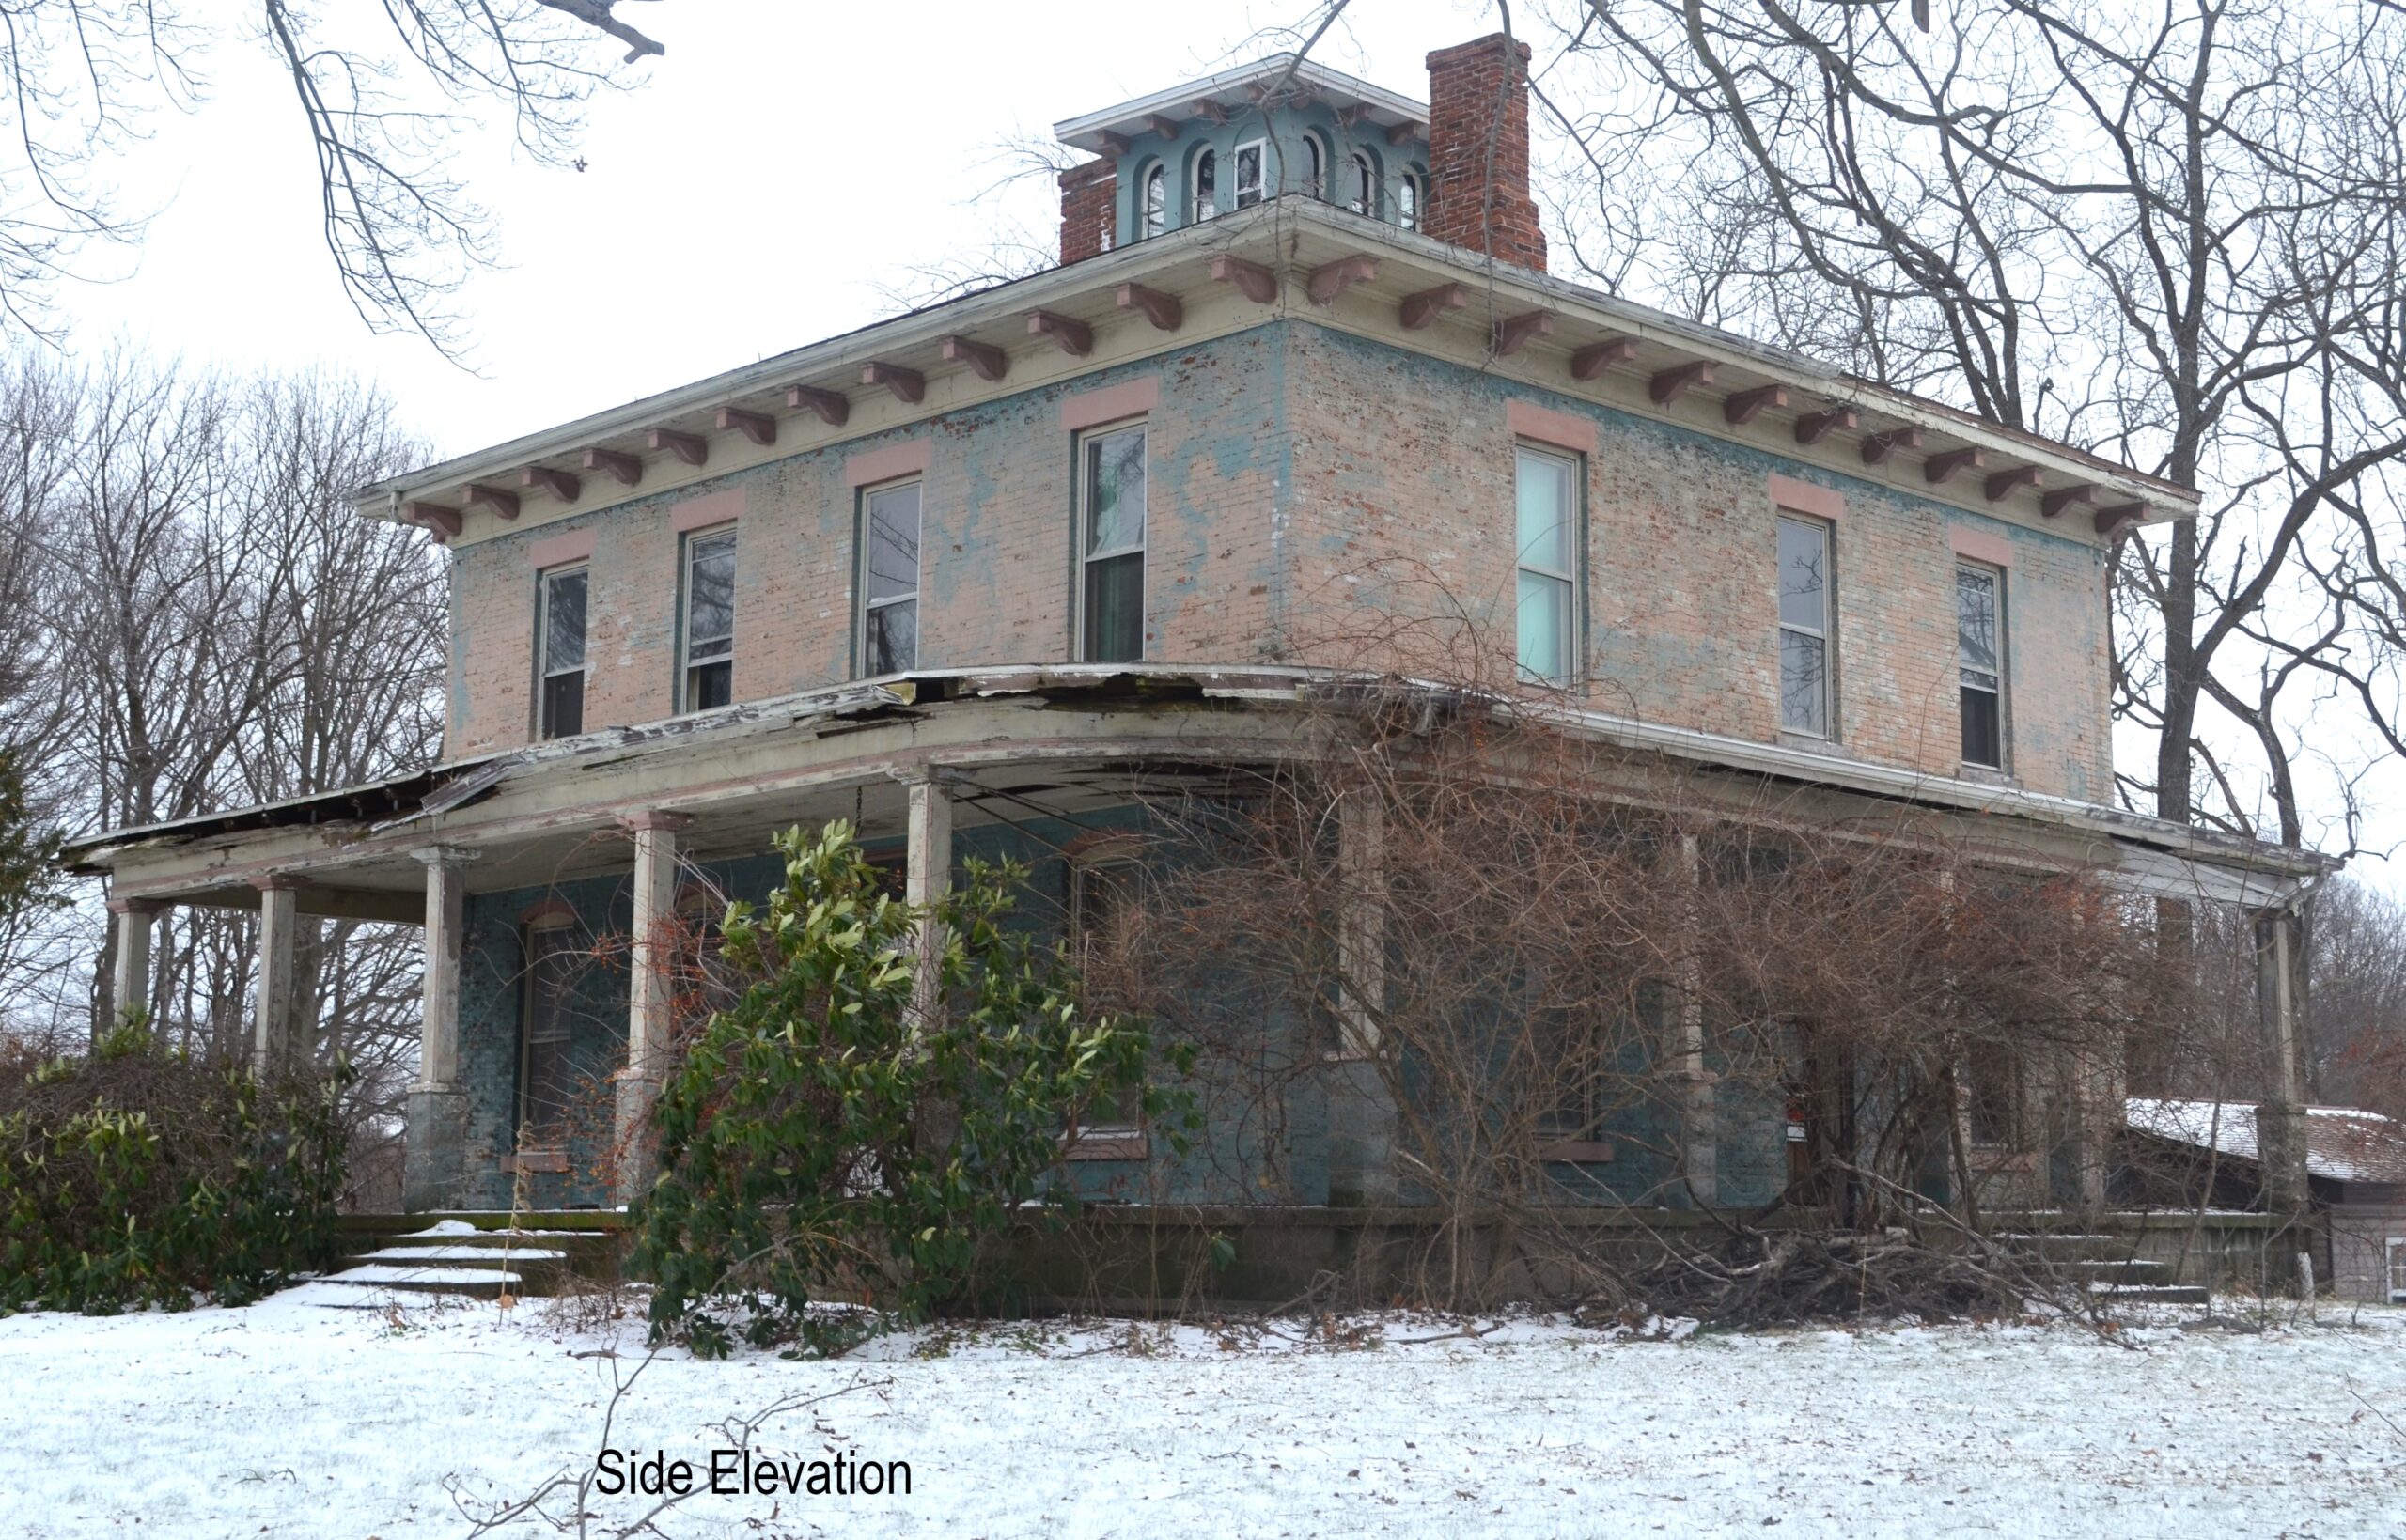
[
  {"x": 1478, "y": 151},
  {"x": 1090, "y": 198},
  {"x": 1306, "y": 488},
  {"x": 997, "y": 511},
  {"x": 1401, "y": 519}
]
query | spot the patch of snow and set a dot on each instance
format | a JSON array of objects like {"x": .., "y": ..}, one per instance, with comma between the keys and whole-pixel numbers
[
  {"x": 463, "y": 1254},
  {"x": 288, "y": 1420}
]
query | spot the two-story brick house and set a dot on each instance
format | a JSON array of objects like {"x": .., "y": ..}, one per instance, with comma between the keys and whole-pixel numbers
[{"x": 969, "y": 575}]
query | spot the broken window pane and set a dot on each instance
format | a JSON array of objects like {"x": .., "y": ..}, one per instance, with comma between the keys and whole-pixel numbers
[{"x": 1248, "y": 175}]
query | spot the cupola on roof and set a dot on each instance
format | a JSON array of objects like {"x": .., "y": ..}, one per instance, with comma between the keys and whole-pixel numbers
[{"x": 1279, "y": 79}]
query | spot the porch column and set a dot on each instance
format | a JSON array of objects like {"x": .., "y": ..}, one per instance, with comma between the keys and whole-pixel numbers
[
  {"x": 1361, "y": 1113},
  {"x": 435, "y": 1165},
  {"x": 278, "y": 1036},
  {"x": 2280, "y": 1120},
  {"x": 649, "y": 992},
  {"x": 129, "y": 980},
  {"x": 926, "y": 877},
  {"x": 1699, "y": 1119}
]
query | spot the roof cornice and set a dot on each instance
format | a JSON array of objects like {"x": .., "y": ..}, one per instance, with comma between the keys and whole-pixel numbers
[{"x": 1298, "y": 258}]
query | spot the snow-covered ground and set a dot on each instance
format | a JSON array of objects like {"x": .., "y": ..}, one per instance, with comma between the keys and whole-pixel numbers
[{"x": 290, "y": 1419}]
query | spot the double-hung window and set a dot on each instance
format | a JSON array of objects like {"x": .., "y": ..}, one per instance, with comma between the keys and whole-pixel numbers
[
  {"x": 889, "y": 579},
  {"x": 546, "y": 1065},
  {"x": 1979, "y": 644},
  {"x": 710, "y": 620},
  {"x": 1805, "y": 592},
  {"x": 559, "y": 632},
  {"x": 1248, "y": 186},
  {"x": 1111, "y": 546},
  {"x": 1546, "y": 524}
]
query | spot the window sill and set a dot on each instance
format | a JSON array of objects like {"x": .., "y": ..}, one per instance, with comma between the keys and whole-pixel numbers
[
  {"x": 553, "y": 1162},
  {"x": 1988, "y": 775},
  {"x": 1585, "y": 1152},
  {"x": 1107, "y": 1144}
]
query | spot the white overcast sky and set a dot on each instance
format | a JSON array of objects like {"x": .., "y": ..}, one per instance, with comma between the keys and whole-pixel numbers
[
  {"x": 784, "y": 160},
  {"x": 780, "y": 162}
]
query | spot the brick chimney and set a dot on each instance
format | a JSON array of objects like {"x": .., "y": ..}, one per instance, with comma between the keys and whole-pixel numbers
[
  {"x": 1479, "y": 192},
  {"x": 1088, "y": 192}
]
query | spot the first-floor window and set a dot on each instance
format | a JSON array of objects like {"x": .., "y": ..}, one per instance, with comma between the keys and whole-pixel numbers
[
  {"x": 1100, "y": 894},
  {"x": 1979, "y": 631},
  {"x": 710, "y": 620},
  {"x": 546, "y": 1066},
  {"x": 890, "y": 579},
  {"x": 1993, "y": 1095},
  {"x": 1112, "y": 546},
  {"x": 1546, "y": 522},
  {"x": 1805, "y": 594},
  {"x": 2397, "y": 1270},
  {"x": 560, "y": 628}
]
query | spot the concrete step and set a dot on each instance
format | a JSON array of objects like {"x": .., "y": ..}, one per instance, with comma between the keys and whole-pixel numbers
[
  {"x": 472, "y": 1283},
  {"x": 2066, "y": 1246},
  {"x": 2132, "y": 1271},
  {"x": 2149, "y": 1293}
]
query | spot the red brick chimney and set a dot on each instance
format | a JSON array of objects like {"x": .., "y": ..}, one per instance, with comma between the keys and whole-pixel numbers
[
  {"x": 1088, "y": 192},
  {"x": 1478, "y": 151}
]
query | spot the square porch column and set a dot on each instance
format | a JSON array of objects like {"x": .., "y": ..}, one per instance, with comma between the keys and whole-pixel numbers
[
  {"x": 2280, "y": 1119},
  {"x": 651, "y": 993},
  {"x": 435, "y": 1169},
  {"x": 1699, "y": 1119},
  {"x": 129, "y": 979},
  {"x": 926, "y": 877},
  {"x": 280, "y": 1039},
  {"x": 1361, "y": 1112}
]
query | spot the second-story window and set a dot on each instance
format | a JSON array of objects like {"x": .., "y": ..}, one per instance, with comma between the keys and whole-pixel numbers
[
  {"x": 890, "y": 579},
  {"x": 1112, "y": 547},
  {"x": 1248, "y": 187},
  {"x": 1156, "y": 213},
  {"x": 1805, "y": 594},
  {"x": 559, "y": 630},
  {"x": 1206, "y": 186},
  {"x": 1546, "y": 522},
  {"x": 710, "y": 621},
  {"x": 1980, "y": 634}
]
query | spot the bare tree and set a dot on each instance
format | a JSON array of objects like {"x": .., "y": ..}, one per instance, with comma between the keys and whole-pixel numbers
[
  {"x": 2167, "y": 235},
  {"x": 382, "y": 94},
  {"x": 211, "y": 625}
]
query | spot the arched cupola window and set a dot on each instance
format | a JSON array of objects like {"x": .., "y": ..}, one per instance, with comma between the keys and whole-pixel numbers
[
  {"x": 1408, "y": 191},
  {"x": 1153, "y": 216},
  {"x": 1206, "y": 186},
  {"x": 1315, "y": 167},
  {"x": 1361, "y": 185}
]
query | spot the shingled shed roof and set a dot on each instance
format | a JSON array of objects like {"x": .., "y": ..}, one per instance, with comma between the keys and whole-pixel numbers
[{"x": 2342, "y": 1143}]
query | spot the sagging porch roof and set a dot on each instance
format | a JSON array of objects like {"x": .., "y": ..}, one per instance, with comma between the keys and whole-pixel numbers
[
  {"x": 1119, "y": 723},
  {"x": 1293, "y": 257}
]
